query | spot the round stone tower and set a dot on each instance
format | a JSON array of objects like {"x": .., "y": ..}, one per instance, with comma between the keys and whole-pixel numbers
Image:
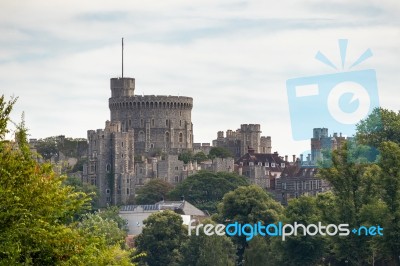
[{"x": 160, "y": 123}]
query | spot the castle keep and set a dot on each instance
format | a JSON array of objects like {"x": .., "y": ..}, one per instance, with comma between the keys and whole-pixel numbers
[{"x": 139, "y": 126}]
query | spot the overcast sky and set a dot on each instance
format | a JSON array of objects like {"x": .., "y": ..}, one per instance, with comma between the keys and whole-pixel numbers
[{"x": 232, "y": 57}]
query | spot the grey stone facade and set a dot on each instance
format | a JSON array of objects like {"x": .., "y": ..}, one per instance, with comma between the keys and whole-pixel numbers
[
  {"x": 301, "y": 181},
  {"x": 159, "y": 123},
  {"x": 238, "y": 142},
  {"x": 141, "y": 127},
  {"x": 110, "y": 164}
]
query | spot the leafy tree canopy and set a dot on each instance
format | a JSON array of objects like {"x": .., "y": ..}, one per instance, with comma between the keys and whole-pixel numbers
[
  {"x": 219, "y": 152},
  {"x": 71, "y": 147},
  {"x": 206, "y": 189},
  {"x": 37, "y": 211},
  {"x": 381, "y": 125},
  {"x": 153, "y": 191},
  {"x": 208, "y": 250},
  {"x": 161, "y": 239},
  {"x": 248, "y": 204}
]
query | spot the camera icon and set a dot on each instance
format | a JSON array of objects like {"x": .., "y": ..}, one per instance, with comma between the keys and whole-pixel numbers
[{"x": 337, "y": 101}]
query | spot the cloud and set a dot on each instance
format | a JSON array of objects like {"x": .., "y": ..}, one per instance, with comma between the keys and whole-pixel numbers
[{"x": 233, "y": 58}]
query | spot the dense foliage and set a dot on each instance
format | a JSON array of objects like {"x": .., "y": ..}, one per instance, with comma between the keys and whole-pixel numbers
[
  {"x": 153, "y": 191},
  {"x": 38, "y": 212},
  {"x": 206, "y": 189}
]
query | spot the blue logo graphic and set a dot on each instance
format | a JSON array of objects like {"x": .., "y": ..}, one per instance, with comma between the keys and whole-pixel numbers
[{"x": 335, "y": 101}]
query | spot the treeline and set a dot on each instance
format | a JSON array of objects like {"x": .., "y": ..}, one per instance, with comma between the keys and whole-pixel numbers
[{"x": 70, "y": 147}]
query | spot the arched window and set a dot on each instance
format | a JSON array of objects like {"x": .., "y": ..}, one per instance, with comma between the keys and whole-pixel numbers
[
  {"x": 141, "y": 136},
  {"x": 181, "y": 137}
]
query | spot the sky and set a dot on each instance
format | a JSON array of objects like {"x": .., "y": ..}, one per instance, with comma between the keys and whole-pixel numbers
[{"x": 232, "y": 57}]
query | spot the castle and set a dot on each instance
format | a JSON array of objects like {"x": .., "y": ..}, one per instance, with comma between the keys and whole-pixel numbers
[
  {"x": 139, "y": 126},
  {"x": 238, "y": 142}
]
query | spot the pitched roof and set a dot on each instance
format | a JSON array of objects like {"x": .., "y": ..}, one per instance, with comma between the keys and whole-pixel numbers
[{"x": 263, "y": 158}]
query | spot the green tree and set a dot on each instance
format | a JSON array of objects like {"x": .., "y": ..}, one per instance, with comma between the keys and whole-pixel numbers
[
  {"x": 112, "y": 213},
  {"x": 5, "y": 110},
  {"x": 390, "y": 181},
  {"x": 161, "y": 239},
  {"x": 152, "y": 192},
  {"x": 200, "y": 157},
  {"x": 206, "y": 189},
  {"x": 248, "y": 204},
  {"x": 381, "y": 125},
  {"x": 37, "y": 210},
  {"x": 208, "y": 250},
  {"x": 94, "y": 224},
  {"x": 301, "y": 249},
  {"x": 79, "y": 186},
  {"x": 355, "y": 188},
  {"x": 219, "y": 152},
  {"x": 258, "y": 253},
  {"x": 186, "y": 156}
]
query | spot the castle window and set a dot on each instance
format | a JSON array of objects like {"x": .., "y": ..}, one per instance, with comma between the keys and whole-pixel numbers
[
  {"x": 141, "y": 122},
  {"x": 108, "y": 168},
  {"x": 122, "y": 144},
  {"x": 176, "y": 179},
  {"x": 166, "y": 122},
  {"x": 141, "y": 136},
  {"x": 129, "y": 122},
  {"x": 180, "y": 113},
  {"x": 180, "y": 137},
  {"x": 127, "y": 191},
  {"x": 152, "y": 122},
  {"x": 108, "y": 199},
  {"x": 166, "y": 136},
  {"x": 107, "y": 191},
  {"x": 272, "y": 164},
  {"x": 180, "y": 123},
  {"x": 152, "y": 146}
]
